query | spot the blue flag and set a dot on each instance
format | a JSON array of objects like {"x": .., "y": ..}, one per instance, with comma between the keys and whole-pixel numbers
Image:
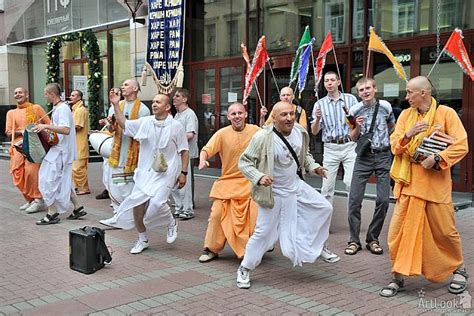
[{"x": 304, "y": 65}]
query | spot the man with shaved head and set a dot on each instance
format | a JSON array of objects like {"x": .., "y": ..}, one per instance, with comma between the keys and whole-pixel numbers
[
  {"x": 124, "y": 157},
  {"x": 24, "y": 173},
  {"x": 286, "y": 95},
  {"x": 289, "y": 209},
  {"x": 163, "y": 149},
  {"x": 55, "y": 173},
  {"x": 233, "y": 212},
  {"x": 422, "y": 238}
]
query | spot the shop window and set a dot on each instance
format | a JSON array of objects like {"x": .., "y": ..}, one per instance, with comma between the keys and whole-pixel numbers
[
  {"x": 210, "y": 36},
  {"x": 121, "y": 59},
  {"x": 228, "y": 18},
  {"x": 358, "y": 19},
  {"x": 404, "y": 17},
  {"x": 449, "y": 14},
  {"x": 335, "y": 20}
]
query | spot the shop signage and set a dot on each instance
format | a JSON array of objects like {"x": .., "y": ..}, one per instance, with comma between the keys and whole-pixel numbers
[
  {"x": 58, "y": 16},
  {"x": 165, "y": 45},
  {"x": 80, "y": 83}
]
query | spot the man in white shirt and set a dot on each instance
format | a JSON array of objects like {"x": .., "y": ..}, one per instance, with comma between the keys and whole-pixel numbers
[
  {"x": 55, "y": 173},
  {"x": 183, "y": 198},
  {"x": 163, "y": 149}
]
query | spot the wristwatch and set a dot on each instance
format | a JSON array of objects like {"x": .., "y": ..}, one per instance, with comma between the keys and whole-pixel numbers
[
  {"x": 184, "y": 172},
  {"x": 437, "y": 159}
]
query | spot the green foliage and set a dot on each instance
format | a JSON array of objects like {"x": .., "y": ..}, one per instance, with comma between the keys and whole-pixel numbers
[{"x": 91, "y": 48}]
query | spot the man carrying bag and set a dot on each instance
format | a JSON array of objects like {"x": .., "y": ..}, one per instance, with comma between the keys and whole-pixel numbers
[{"x": 373, "y": 157}]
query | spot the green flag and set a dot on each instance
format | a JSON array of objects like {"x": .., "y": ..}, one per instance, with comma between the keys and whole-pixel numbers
[{"x": 305, "y": 40}]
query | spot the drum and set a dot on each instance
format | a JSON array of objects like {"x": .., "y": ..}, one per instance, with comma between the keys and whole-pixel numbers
[{"x": 102, "y": 143}]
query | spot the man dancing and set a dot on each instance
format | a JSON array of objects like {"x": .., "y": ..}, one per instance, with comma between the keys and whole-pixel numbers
[
  {"x": 162, "y": 144},
  {"x": 289, "y": 209},
  {"x": 233, "y": 212}
]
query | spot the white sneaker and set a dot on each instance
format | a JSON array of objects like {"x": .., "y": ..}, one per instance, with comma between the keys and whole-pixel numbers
[
  {"x": 328, "y": 256},
  {"x": 35, "y": 207},
  {"x": 243, "y": 278},
  {"x": 139, "y": 247},
  {"x": 109, "y": 221},
  {"x": 172, "y": 232},
  {"x": 25, "y": 206}
]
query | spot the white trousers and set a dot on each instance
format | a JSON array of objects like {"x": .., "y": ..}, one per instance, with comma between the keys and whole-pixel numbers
[
  {"x": 301, "y": 221},
  {"x": 183, "y": 198},
  {"x": 55, "y": 184},
  {"x": 334, "y": 155},
  {"x": 105, "y": 173}
]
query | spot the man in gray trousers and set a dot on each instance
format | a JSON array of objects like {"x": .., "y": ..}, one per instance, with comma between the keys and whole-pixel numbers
[{"x": 372, "y": 116}]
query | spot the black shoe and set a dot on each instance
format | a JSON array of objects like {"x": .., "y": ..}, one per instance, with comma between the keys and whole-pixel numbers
[
  {"x": 49, "y": 219},
  {"x": 77, "y": 213},
  {"x": 104, "y": 195}
]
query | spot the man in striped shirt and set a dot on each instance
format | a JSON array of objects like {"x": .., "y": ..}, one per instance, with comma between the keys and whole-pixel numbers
[{"x": 329, "y": 116}]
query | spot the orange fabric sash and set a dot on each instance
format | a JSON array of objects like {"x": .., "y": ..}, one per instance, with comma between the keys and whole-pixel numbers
[{"x": 132, "y": 156}]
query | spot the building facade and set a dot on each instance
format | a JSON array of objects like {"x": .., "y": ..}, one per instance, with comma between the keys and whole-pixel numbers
[{"x": 414, "y": 30}]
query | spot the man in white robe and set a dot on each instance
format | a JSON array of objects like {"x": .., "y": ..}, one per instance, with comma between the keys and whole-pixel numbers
[
  {"x": 162, "y": 143},
  {"x": 289, "y": 209},
  {"x": 55, "y": 173},
  {"x": 122, "y": 161}
]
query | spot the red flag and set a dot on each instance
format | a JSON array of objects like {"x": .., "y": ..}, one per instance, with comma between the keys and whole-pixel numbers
[
  {"x": 456, "y": 50},
  {"x": 326, "y": 47},
  {"x": 258, "y": 62}
]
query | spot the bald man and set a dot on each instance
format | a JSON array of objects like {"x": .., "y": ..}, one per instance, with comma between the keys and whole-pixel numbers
[
  {"x": 233, "y": 212},
  {"x": 163, "y": 150},
  {"x": 124, "y": 157},
  {"x": 286, "y": 95},
  {"x": 24, "y": 173},
  {"x": 289, "y": 209},
  {"x": 55, "y": 173},
  {"x": 422, "y": 237}
]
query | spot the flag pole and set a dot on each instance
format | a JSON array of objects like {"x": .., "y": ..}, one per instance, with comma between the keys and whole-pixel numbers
[
  {"x": 314, "y": 72},
  {"x": 274, "y": 78},
  {"x": 436, "y": 62},
  {"x": 340, "y": 78},
  {"x": 368, "y": 64}
]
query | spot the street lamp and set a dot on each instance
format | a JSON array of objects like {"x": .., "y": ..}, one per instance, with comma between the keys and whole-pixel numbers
[{"x": 133, "y": 6}]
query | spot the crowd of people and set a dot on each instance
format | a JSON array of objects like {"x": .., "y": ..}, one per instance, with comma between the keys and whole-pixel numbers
[{"x": 261, "y": 196}]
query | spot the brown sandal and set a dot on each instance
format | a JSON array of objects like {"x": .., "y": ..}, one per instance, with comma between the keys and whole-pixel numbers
[
  {"x": 352, "y": 248},
  {"x": 374, "y": 247}
]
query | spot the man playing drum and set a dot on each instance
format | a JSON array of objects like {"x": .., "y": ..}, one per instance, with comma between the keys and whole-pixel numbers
[
  {"x": 55, "y": 173},
  {"x": 24, "y": 173},
  {"x": 124, "y": 157}
]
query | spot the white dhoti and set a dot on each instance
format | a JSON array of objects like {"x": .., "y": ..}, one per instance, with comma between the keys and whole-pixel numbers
[
  {"x": 118, "y": 185},
  {"x": 55, "y": 184},
  {"x": 300, "y": 217},
  {"x": 105, "y": 173},
  {"x": 300, "y": 221},
  {"x": 158, "y": 212}
]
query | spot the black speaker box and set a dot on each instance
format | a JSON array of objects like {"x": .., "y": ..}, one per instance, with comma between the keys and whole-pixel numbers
[{"x": 87, "y": 249}]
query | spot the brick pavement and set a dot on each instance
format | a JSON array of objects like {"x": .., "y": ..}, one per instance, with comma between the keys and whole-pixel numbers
[{"x": 168, "y": 279}]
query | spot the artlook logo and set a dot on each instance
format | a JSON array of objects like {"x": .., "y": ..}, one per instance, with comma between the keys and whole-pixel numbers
[{"x": 461, "y": 303}]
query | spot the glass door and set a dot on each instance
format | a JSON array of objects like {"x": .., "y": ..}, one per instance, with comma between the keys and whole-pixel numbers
[{"x": 75, "y": 77}]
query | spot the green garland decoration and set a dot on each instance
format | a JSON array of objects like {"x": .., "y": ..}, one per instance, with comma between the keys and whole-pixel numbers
[{"x": 94, "y": 83}]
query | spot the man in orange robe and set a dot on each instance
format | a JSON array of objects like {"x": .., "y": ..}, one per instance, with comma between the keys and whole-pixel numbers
[
  {"x": 233, "y": 213},
  {"x": 422, "y": 237},
  {"x": 24, "y": 173},
  {"x": 80, "y": 114}
]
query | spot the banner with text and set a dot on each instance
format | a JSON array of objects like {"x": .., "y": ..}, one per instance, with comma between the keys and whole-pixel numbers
[{"x": 165, "y": 45}]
